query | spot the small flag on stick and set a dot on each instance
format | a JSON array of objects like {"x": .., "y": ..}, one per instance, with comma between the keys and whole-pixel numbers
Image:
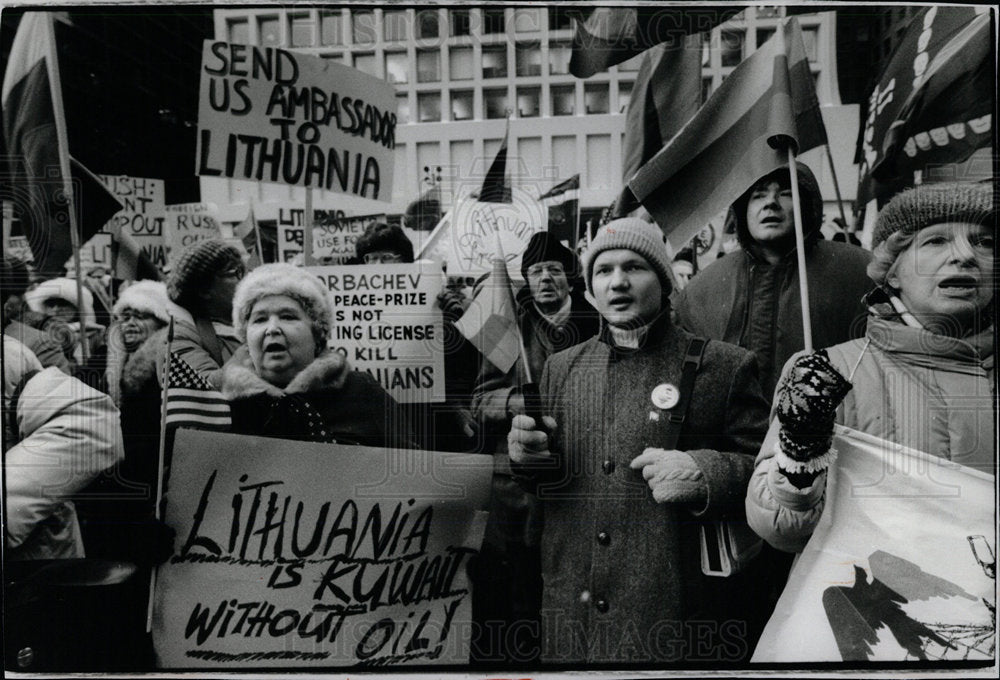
[{"x": 192, "y": 402}]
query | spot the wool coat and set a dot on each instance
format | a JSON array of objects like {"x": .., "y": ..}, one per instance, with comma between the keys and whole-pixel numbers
[{"x": 622, "y": 573}]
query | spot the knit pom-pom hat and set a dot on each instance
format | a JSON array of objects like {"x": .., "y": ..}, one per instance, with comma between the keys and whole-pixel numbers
[
  {"x": 149, "y": 297},
  {"x": 196, "y": 266},
  {"x": 929, "y": 204},
  {"x": 639, "y": 236},
  {"x": 283, "y": 279}
]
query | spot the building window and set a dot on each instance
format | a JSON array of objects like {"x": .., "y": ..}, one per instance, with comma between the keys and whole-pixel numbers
[
  {"x": 363, "y": 26},
  {"x": 559, "y": 54},
  {"x": 631, "y": 64},
  {"x": 461, "y": 21},
  {"x": 528, "y": 59},
  {"x": 366, "y": 63},
  {"x": 270, "y": 33},
  {"x": 768, "y": 12},
  {"x": 495, "y": 62},
  {"x": 527, "y": 20},
  {"x": 394, "y": 25},
  {"x": 493, "y": 21},
  {"x": 595, "y": 98},
  {"x": 460, "y": 63},
  {"x": 427, "y": 23},
  {"x": 331, "y": 28},
  {"x": 428, "y": 66},
  {"x": 731, "y": 44},
  {"x": 495, "y": 103},
  {"x": 763, "y": 35},
  {"x": 706, "y": 89},
  {"x": 527, "y": 101},
  {"x": 558, "y": 18},
  {"x": 563, "y": 100},
  {"x": 396, "y": 65},
  {"x": 402, "y": 108},
  {"x": 239, "y": 31},
  {"x": 809, "y": 37},
  {"x": 624, "y": 95},
  {"x": 461, "y": 105},
  {"x": 302, "y": 31},
  {"x": 429, "y": 107}
]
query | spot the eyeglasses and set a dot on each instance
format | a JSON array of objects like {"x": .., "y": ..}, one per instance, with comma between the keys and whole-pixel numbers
[
  {"x": 381, "y": 257},
  {"x": 129, "y": 315}
]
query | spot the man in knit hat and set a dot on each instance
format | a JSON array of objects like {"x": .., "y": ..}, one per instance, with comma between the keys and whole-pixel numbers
[
  {"x": 621, "y": 563},
  {"x": 552, "y": 316},
  {"x": 202, "y": 282}
]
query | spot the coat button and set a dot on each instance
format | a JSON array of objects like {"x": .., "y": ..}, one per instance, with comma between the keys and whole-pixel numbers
[
  {"x": 608, "y": 466},
  {"x": 604, "y": 538},
  {"x": 602, "y": 605}
]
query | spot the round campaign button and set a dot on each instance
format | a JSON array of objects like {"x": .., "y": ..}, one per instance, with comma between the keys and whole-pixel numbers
[{"x": 665, "y": 396}]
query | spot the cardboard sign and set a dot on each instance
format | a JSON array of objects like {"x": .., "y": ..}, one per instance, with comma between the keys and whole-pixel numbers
[
  {"x": 271, "y": 115},
  {"x": 334, "y": 235},
  {"x": 466, "y": 237},
  {"x": 292, "y": 554},
  {"x": 387, "y": 322},
  {"x": 188, "y": 223}
]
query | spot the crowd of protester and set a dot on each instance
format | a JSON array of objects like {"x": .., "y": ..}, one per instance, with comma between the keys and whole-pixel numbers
[{"x": 591, "y": 552}]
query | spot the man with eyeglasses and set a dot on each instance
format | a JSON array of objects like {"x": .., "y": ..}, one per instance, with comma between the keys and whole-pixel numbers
[{"x": 553, "y": 316}]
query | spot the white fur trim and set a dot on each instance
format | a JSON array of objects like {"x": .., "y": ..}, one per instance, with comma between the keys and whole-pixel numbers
[
  {"x": 239, "y": 379},
  {"x": 817, "y": 464},
  {"x": 146, "y": 296},
  {"x": 281, "y": 279},
  {"x": 62, "y": 289}
]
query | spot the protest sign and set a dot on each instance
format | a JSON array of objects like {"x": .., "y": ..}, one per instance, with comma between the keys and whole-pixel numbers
[
  {"x": 387, "y": 322},
  {"x": 292, "y": 554},
  {"x": 466, "y": 237},
  {"x": 334, "y": 235},
  {"x": 271, "y": 115},
  {"x": 188, "y": 223},
  {"x": 901, "y": 566}
]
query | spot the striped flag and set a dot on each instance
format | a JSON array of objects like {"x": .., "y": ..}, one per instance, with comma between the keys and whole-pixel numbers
[
  {"x": 734, "y": 138},
  {"x": 192, "y": 402},
  {"x": 563, "y": 203},
  {"x": 496, "y": 187},
  {"x": 490, "y": 322}
]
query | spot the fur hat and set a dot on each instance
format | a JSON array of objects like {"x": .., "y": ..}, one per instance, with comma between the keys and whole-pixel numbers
[
  {"x": 283, "y": 279},
  {"x": 149, "y": 297},
  {"x": 631, "y": 233},
  {"x": 380, "y": 236},
  {"x": 929, "y": 204},
  {"x": 61, "y": 289},
  {"x": 543, "y": 247},
  {"x": 194, "y": 269}
]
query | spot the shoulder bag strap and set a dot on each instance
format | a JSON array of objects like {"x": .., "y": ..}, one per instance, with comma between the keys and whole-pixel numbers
[
  {"x": 209, "y": 340},
  {"x": 692, "y": 361}
]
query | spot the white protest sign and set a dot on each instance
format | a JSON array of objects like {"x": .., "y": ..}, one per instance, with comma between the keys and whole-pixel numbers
[
  {"x": 387, "y": 322},
  {"x": 334, "y": 235},
  {"x": 292, "y": 554},
  {"x": 466, "y": 238},
  {"x": 271, "y": 115},
  {"x": 188, "y": 223}
]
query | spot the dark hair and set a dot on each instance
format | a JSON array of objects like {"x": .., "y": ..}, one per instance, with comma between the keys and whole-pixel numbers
[{"x": 381, "y": 236}]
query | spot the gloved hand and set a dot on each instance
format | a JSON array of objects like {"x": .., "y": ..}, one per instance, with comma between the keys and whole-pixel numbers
[
  {"x": 525, "y": 442},
  {"x": 808, "y": 398},
  {"x": 672, "y": 475}
]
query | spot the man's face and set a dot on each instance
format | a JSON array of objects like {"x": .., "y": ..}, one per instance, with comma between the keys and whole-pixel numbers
[
  {"x": 548, "y": 285},
  {"x": 627, "y": 291},
  {"x": 682, "y": 272},
  {"x": 770, "y": 219}
]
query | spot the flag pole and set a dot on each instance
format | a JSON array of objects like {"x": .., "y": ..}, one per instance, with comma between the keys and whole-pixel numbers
[
  {"x": 836, "y": 184},
  {"x": 307, "y": 227},
  {"x": 161, "y": 461},
  {"x": 62, "y": 138},
  {"x": 800, "y": 251},
  {"x": 256, "y": 233}
]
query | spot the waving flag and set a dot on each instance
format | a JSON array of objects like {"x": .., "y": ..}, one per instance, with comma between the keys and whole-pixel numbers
[
  {"x": 490, "y": 322},
  {"x": 901, "y": 566},
  {"x": 563, "y": 203},
  {"x": 192, "y": 402},
  {"x": 496, "y": 188},
  {"x": 740, "y": 134}
]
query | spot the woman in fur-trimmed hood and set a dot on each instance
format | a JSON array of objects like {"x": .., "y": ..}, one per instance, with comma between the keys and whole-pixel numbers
[{"x": 285, "y": 382}]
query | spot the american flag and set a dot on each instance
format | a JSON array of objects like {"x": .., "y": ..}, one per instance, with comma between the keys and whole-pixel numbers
[{"x": 192, "y": 402}]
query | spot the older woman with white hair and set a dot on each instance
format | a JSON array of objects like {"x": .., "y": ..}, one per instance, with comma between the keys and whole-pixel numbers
[
  {"x": 285, "y": 382},
  {"x": 923, "y": 376}
]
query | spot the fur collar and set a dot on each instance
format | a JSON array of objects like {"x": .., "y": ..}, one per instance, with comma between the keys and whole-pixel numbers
[
  {"x": 140, "y": 366},
  {"x": 239, "y": 379}
]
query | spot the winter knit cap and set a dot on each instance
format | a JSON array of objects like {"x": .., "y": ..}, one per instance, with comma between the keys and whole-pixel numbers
[
  {"x": 929, "y": 204},
  {"x": 283, "y": 279},
  {"x": 149, "y": 297},
  {"x": 194, "y": 268},
  {"x": 544, "y": 246},
  {"x": 61, "y": 289},
  {"x": 631, "y": 233},
  {"x": 380, "y": 236}
]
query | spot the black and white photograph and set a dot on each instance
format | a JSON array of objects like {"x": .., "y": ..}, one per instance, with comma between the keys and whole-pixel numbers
[{"x": 499, "y": 340}]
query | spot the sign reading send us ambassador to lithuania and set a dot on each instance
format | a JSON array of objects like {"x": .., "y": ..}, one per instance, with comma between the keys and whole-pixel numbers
[
  {"x": 271, "y": 115},
  {"x": 387, "y": 322},
  {"x": 292, "y": 554}
]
